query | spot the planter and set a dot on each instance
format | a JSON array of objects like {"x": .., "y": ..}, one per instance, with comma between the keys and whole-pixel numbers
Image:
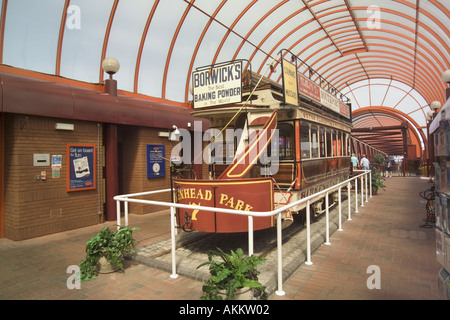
[
  {"x": 104, "y": 266},
  {"x": 244, "y": 294},
  {"x": 240, "y": 294}
]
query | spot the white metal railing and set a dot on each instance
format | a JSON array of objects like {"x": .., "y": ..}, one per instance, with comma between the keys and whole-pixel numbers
[{"x": 364, "y": 176}]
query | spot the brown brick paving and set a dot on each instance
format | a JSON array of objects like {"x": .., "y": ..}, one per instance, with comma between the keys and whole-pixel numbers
[{"x": 385, "y": 233}]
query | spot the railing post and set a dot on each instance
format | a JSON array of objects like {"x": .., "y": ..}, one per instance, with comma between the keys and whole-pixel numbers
[
  {"x": 308, "y": 234},
  {"x": 118, "y": 214},
  {"x": 356, "y": 195},
  {"x": 250, "y": 235},
  {"x": 174, "y": 274},
  {"x": 349, "y": 202},
  {"x": 280, "y": 291},
  {"x": 340, "y": 209},
  {"x": 366, "y": 179},
  {"x": 327, "y": 216},
  {"x": 362, "y": 190},
  {"x": 126, "y": 212}
]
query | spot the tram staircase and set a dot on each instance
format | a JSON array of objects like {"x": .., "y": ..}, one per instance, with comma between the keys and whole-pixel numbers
[{"x": 192, "y": 248}]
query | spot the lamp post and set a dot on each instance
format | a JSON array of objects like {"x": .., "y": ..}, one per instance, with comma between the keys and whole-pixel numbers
[
  {"x": 429, "y": 119},
  {"x": 435, "y": 105},
  {"x": 111, "y": 66},
  {"x": 110, "y": 139},
  {"x": 446, "y": 79}
]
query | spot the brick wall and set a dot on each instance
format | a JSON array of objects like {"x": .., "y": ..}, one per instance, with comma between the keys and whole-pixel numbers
[
  {"x": 36, "y": 207},
  {"x": 133, "y": 154}
]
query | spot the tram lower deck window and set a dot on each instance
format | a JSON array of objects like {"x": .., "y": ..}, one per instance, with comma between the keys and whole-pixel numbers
[
  {"x": 286, "y": 136},
  {"x": 305, "y": 141}
]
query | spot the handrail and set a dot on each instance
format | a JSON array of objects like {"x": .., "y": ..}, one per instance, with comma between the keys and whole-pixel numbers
[{"x": 364, "y": 173}]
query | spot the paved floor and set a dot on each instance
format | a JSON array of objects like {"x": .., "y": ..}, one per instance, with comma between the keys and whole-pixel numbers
[{"x": 385, "y": 233}]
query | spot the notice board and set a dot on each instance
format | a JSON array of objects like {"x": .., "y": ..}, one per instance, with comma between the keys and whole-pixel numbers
[{"x": 156, "y": 166}]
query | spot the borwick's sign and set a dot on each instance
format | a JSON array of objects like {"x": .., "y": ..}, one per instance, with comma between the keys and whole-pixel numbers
[{"x": 217, "y": 85}]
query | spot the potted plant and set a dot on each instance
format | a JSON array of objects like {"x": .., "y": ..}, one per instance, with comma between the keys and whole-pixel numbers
[
  {"x": 379, "y": 160},
  {"x": 232, "y": 275},
  {"x": 377, "y": 181},
  {"x": 107, "y": 247}
]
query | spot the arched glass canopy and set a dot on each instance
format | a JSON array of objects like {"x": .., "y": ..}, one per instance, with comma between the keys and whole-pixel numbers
[{"x": 397, "y": 46}]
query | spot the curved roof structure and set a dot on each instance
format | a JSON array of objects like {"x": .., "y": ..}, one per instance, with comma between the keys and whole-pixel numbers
[{"x": 383, "y": 54}]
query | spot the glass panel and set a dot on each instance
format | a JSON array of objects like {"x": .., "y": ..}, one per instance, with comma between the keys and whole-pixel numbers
[
  {"x": 229, "y": 48},
  {"x": 251, "y": 17},
  {"x": 286, "y": 141},
  {"x": 208, "y": 47},
  {"x": 183, "y": 50},
  {"x": 314, "y": 142},
  {"x": 208, "y": 6},
  {"x": 377, "y": 93},
  {"x": 347, "y": 144},
  {"x": 154, "y": 57},
  {"x": 393, "y": 96},
  {"x": 126, "y": 32},
  {"x": 329, "y": 143},
  {"x": 362, "y": 96},
  {"x": 82, "y": 46},
  {"x": 245, "y": 53},
  {"x": 31, "y": 34},
  {"x": 304, "y": 141},
  {"x": 322, "y": 145},
  {"x": 339, "y": 144},
  {"x": 231, "y": 10},
  {"x": 287, "y": 9},
  {"x": 258, "y": 61},
  {"x": 271, "y": 21}
]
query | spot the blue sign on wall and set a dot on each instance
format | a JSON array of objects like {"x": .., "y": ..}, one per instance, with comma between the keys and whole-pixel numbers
[{"x": 156, "y": 164}]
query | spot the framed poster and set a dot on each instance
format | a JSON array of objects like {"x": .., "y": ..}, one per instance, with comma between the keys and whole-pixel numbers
[
  {"x": 156, "y": 165},
  {"x": 80, "y": 167}
]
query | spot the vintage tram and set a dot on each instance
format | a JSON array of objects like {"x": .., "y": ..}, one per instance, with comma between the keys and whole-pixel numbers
[{"x": 272, "y": 145}]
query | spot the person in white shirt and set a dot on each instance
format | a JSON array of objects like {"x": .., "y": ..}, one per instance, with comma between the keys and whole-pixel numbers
[{"x": 365, "y": 163}]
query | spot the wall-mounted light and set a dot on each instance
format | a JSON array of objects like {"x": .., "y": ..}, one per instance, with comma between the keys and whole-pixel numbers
[
  {"x": 64, "y": 126},
  {"x": 175, "y": 135}
]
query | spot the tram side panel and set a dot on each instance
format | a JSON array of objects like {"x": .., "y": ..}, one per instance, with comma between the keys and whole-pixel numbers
[{"x": 237, "y": 194}]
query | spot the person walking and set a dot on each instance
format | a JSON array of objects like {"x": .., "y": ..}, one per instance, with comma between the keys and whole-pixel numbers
[
  {"x": 389, "y": 166},
  {"x": 354, "y": 161},
  {"x": 365, "y": 163}
]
